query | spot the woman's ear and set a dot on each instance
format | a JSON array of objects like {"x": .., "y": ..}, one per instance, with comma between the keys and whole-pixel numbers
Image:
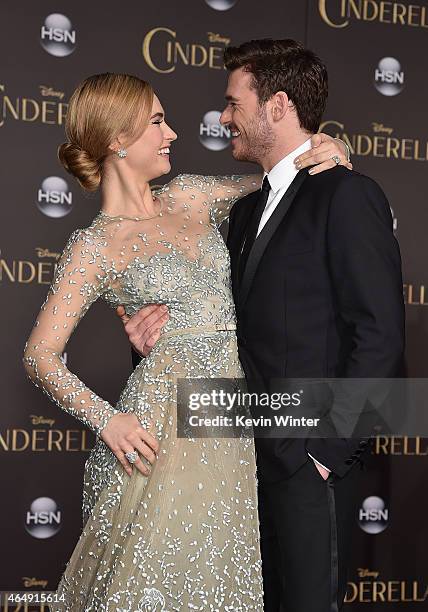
[{"x": 115, "y": 145}]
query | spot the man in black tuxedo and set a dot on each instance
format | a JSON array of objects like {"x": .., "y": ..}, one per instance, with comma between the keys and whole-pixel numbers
[{"x": 317, "y": 284}]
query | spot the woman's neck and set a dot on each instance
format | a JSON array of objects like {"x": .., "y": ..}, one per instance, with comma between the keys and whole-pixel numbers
[{"x": 124, "y": 195}]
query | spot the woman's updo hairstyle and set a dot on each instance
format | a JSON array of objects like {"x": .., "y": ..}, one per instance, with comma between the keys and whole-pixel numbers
[{"x": 102, "y": 107}]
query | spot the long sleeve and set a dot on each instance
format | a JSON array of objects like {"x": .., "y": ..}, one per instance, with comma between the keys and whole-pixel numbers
[
  {"x": 78, "y": 282},
  {"x": 225, "y": 190},
  {"x": 217, "y": 192},
  {"x": 365, "y": 268}
]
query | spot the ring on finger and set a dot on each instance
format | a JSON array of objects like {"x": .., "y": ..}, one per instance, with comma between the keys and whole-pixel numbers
[
  {"x": 132, "y": 456},
  {"x": 336, "y": 159}
]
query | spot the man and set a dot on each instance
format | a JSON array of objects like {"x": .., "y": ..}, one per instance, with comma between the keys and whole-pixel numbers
[{"x": 317, "y": 284}]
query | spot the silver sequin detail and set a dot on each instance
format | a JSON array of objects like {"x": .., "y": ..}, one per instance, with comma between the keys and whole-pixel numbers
[{"x": 185, "y": 537}]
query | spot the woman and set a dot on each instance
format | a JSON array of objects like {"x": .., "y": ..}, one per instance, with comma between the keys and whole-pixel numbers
[{"x": 181, "y": 532}]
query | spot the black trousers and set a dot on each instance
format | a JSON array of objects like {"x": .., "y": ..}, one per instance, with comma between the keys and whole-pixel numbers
[{"x": 306, "y": 524}]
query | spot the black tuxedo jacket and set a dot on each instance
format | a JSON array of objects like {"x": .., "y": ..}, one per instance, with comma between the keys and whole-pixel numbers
[{"x": 321, "y": 296}]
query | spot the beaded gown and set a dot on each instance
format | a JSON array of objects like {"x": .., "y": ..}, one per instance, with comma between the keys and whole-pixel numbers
[{"x": 186, "y": 537}]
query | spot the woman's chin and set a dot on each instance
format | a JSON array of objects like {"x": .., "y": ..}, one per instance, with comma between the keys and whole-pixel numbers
[
  {"x": 167, "y": 169},
  {"x": 160, "y": 170},
  {"x": 167, "y": 165}
]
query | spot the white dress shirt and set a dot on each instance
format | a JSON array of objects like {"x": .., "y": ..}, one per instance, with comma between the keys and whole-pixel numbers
[{"x": 280, "y": 178}]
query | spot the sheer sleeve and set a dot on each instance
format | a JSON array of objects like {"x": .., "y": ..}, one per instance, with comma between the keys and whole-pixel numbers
[
  {"x": 77, "y": 283},
  {"x": 219, "y": 192},
  {"x": 225, "y": 190}
]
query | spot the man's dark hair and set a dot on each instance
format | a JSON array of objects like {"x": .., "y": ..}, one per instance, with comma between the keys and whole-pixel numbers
[{"x": 284, "y": 65}]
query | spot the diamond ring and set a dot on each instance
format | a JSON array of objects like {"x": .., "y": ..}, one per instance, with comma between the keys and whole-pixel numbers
[
  {"x": 336, "y": 159},
  {"x": 132, "y": 456}
]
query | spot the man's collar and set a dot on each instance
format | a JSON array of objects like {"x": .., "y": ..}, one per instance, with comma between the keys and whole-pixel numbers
[{"x": 285, "y": 169}]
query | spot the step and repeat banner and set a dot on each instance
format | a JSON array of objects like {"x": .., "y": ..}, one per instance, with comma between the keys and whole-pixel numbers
[{"x": 375, "y": 53}]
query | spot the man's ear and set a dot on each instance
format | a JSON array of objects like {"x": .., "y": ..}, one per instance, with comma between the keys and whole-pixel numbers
[{"x": 280, "y": 104}]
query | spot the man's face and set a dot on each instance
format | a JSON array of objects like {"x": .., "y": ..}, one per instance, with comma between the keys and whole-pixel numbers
[{"x": 252, "y": 135}]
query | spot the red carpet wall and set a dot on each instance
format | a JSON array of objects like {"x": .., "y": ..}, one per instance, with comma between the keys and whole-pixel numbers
[{"x": 376, "y": 55}]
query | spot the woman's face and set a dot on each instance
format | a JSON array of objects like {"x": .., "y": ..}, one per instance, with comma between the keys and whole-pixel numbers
[{"x": 149, "y": 155}]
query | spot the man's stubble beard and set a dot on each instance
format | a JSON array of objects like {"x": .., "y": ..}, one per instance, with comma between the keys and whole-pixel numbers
[{"x": 258, "y": 141}]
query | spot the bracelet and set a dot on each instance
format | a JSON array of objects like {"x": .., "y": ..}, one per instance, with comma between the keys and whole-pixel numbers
[{"x": 348, "y": 150}]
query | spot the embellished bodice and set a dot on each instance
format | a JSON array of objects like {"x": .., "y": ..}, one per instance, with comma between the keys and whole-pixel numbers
[
  {"x": 188, "y": 273},
  {"x": 177, "y": 258}
]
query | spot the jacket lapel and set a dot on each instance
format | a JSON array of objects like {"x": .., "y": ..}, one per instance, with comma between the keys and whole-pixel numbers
[
  {"x": 266, "y": 234},
  {"x": 247, "y": 211}
]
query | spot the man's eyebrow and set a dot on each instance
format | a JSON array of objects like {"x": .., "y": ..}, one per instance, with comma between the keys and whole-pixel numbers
[
  {"x": 157, "y": 115},
  {"x": 231, "y": 98}
]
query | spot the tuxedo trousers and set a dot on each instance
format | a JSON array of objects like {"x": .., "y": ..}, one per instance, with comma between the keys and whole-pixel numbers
[{"x": 306, "y": 529}]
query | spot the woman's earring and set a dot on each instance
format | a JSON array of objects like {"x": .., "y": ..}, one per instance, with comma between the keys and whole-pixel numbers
[{"x": 122, "y": 153}]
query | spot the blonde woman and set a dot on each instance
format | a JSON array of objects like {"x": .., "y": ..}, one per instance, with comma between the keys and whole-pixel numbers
[{"x": 177, "y": 528}]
